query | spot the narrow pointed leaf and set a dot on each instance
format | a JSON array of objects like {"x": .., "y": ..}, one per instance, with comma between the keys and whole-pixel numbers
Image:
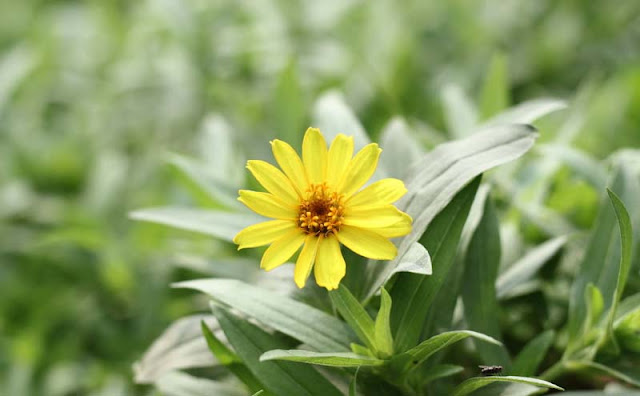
[
  {"x": 529, "y": 359},
  {"x": 222, "y": 225},
  {"x": 524, "y": 269},
  {"x": 177, "y": 383},
  {"x": 309, "y": 325},
  {"x": 279, "y": 378},
  {"x": 472, "y": 384},
  {"x": 412, "y": 294},
  {"x": 418, "y": 354},
  {"x": 355, "y": 314},
  {"x": 479, "y": 293},
  {"x": 337, "y": 359},
  {"x": 383, "y": 338},
  {"x": 230, "y": 360}
]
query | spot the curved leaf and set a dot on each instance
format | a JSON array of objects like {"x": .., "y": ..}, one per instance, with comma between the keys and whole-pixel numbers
[
  {"x": 336, "y": 359},
  {"x": 472, "y": 384}
]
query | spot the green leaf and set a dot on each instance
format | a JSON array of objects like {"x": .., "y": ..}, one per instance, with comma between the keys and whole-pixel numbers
[
  {"x": 604, "y": 265},
  {"x": 627, "y": 323},
  {"x": 472, "y": 384},
  {"x": 530, "y": 357},
  {"x": 595, "y": 305},
  {"x": 279, "y": 378},
  {"x": 459, "y": 111},
  {"x": 177, "y": 383},
  {"x": 418, "y": 354},
  {"x": 479, "y": 293},
  {"x": 360, "y": 350},
  {"x": 626, "y": 242},
  {"x": 180, "y": 346},
  {"x": 527, "y": 112},
  {"x": 355, "y": 314},
  {"x": 401, "y": 148},
  {"x": 217, "y": 189},
  {"x": 383, "y": 337},
  {"x": 440, "y": 174},
  {"x": 412, "y": 294},
  {"x": 309, "y": 325},
  {"x": 440, "y": 371},
  {"x": 229, "y": 359},
  {"x": 288, "y": 107},
  {"x": 333, "y": 116},
  {"x": 580, "y": 162},
  {"x": 524, "y": 269},
  {"x": 258, "y": 393},
  {"x": 495, "y": 92},
  {"x": 632, "y": 378},
  {"x": 222, "y": 225},
  {"x": 337, "y": 359}
]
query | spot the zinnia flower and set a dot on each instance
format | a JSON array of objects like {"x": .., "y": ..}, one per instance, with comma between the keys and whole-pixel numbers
[{"x": 317, "y": 203}]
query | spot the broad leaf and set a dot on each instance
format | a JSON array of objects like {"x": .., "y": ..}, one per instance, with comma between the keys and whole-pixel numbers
[
  {"x": 180, "y": 346},
  {"x": 219, "y": 224},
  {"x": 309, "y": 325},
  {"x": 440, "y": 174},
  {"x": 337, "y": 359},
  {"x": 279, "y": 378},
  {"x": 412, "y": 294},
  {"x": 177, "y": 383},
  {"x": 229, "y": 359}
]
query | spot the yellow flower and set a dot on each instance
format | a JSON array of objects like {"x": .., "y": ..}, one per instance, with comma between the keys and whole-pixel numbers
[{"x": 317, "y": 203}]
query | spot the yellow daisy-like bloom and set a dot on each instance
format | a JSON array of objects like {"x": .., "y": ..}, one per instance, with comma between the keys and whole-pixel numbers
[{"x": 317, "y": 203}]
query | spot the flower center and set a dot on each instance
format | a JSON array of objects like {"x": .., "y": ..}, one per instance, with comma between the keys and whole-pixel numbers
[{"x": 321, "y": 212}]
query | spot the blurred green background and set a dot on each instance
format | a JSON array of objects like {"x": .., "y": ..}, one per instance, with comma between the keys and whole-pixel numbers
[{"x": 95, "y": 95}]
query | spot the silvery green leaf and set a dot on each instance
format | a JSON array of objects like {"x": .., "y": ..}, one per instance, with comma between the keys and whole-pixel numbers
[
  {"x": 580, "y": 162},
  {"x": 524, "y": 269},
  {"x": 217, "y": 150},
  {"x": 459, "y": 111},
  {"x": 180, "y": 346},
  {"x": 15, "y": 65},
  {"x": 527, "y": 112},
  {"x": 217, "y": 187},
  {"x": 222, "y": 225},
  {"x": 176, "y": 383},
  {"x": 311, "y": 326},
  {"x": 332, "y": 116},
  {"x": 441, "y": 173},
  {"x": 400, "y": 148}
]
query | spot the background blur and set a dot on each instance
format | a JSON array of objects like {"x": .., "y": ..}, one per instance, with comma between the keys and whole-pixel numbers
[{"x": 95, "y": 96}]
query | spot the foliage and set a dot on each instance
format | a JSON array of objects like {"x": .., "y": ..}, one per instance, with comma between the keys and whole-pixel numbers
[{"x": 108, "y": 107}]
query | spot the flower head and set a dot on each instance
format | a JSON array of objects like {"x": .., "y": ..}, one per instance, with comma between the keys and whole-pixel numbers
[{"x": 318, "y": 203}]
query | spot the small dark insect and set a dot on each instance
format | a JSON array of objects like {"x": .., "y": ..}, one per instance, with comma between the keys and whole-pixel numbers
[{"x": 490, "y": 370}]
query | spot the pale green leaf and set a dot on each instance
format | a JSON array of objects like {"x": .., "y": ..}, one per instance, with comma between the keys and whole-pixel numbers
[
  {"x": 336, "y": 359},
  {"x": 472, "y": 384}
]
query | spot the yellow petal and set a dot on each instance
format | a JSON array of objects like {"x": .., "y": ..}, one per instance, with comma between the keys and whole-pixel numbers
[
  {"x": 398, "y": 229},
  {"x": 314, "y": 155},
  {"x": 367, "y": 243},
  {"x": 282, "y": 249},
  {"x": 305, "y": 260},
  {"x": 383, "y": 191},
  {"x": 330, "y": 267},
  {"x": 339, "y": 155},
  {"x": 291, "y": 165},
  {"x": 360, "y": 169},
  {"x": 372, "y": 216},
  {"x": 273, "y": 180},
  {"x": 262, "y": 233},
  {"x": 267, "y": 205}
]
